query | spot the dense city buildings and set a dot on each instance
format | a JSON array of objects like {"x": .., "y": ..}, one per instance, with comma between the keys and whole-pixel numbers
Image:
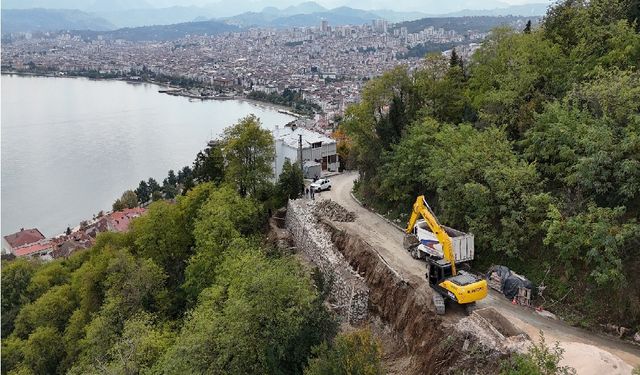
[{"x": 327, "y": 64}]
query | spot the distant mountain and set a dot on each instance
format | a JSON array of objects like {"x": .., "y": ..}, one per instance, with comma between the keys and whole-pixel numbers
[
  {"x": 539, "y": 9},
  {"x": 303, "y": 8},
  {"x": 163, "y": 32},
  {"x": 156, "y": 16},
  {"x": 32, "y": 20},
  {"x": 337, "y": 16},
  {"x": 137, "y": 13},
  {"x": 84, "y": 5},
  {"x": 394, "y": 16}
]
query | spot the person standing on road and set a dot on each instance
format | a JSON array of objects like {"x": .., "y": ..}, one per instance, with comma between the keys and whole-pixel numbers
[
  {"x": 306, "y": 192},
  {"x": 313, "y": 193}
]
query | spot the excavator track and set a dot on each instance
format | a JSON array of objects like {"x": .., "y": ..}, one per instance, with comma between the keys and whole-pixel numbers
[{"x": 438, "y": 302}]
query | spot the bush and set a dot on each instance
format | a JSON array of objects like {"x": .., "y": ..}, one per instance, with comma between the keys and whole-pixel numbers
[
  {"x": 539, "y": 360},
  {"x": 351, "y": 353}
]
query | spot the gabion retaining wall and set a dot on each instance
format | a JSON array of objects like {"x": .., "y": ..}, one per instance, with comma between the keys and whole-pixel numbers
[{"x": 348, "y": 288}]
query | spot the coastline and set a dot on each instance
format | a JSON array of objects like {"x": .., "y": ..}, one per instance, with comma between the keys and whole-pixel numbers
[
  {"x": 164, "y": 88},
  {"x": 256, "y": 107}
]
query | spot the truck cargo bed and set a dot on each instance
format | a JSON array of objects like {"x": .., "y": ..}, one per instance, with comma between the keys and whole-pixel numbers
[{"x": 463, "y": 243}]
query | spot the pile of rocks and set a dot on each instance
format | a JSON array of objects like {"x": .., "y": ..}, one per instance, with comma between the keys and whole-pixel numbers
[{"x": 334, "y": 211}]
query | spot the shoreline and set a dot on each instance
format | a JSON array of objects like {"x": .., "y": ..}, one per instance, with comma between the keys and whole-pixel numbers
[
  {"x": 165, "y": 89},
  {"x": 157, "y": 86}
]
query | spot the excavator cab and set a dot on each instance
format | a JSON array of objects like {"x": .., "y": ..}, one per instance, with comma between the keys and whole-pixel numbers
[
  {"x": 463, "y": 288},
  {"x": 438, "y": 271}
]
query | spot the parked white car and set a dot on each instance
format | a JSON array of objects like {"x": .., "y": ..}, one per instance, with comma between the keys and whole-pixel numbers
[{"x": 321, "y": 184}]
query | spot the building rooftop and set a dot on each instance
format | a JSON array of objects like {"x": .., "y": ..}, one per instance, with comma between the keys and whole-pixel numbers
[
  {"x": 33, "y": 248},
  {"x": 24, "y": 237},
  {"x": 120, "y": 220},
  {"x": 291, "y": 136}
]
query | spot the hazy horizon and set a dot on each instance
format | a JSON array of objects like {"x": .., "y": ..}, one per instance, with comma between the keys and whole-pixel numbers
[{"x": 424, "y": 6}]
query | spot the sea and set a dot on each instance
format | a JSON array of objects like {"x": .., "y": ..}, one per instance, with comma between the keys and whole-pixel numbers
[{"x": 71, "y": 146}]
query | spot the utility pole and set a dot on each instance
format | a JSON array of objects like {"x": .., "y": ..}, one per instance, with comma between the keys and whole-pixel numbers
[
  {"x": 300, "y": 151},
  {"x": 301, "y": 167}
]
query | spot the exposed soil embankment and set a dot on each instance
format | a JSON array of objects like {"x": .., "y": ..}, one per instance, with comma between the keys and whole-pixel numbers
[
  {"x": 429, "y": 343},
  {"x": 435, "y": 347}
]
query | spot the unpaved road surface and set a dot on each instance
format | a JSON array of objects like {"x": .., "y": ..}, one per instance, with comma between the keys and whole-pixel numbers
[{"x": 589, "y": 353}]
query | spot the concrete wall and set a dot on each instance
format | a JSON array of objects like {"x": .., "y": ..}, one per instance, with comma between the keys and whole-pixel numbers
[
  {"x": 349, "y": 290},
  {"x": 283, "y": 151}
]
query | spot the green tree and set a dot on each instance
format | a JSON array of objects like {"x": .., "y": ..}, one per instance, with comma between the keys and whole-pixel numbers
[
  {"x": 143, "y": 192},
  {"x": 513, "y": 75},
  {"x": 249, "y": 151},
  {"x": 256, "y": 319},
  {"x": 600, "y": 241},
  {"x": 131, "y": 286},
  {"x": 455, "y": 60},
  {"x": 153, "y": 186},
  {"x": 170, "y": 191},
  {"x": 441, "y": 88},
  {"x": 46, "y": 277},
  {"x": 585, "y": 158},
  {"x": 378, "y": 121},
  {"x": 160, "y": 235},
  {"x": 52, "y": 309},
  {"x": 209, "y": 165},
  {"x": 290, "y": 182},
  {"x": 16, "y": 278},
  {"x": 193, "y": 200},
  {"x": 137, "y": 349},
  {"x": 12, "y": 354},
  {"x": 467, "y": 173},
  {"x": 224, "y": 218},
  {"x": 41, "y": 351},
  {"x": 129, "y": 199},
  {"x": 171, "y": 178},
  {"x": 350, "y": 353}
]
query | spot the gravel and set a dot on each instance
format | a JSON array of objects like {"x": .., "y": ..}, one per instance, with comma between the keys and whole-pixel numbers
[{"x": 334, "y": 211}]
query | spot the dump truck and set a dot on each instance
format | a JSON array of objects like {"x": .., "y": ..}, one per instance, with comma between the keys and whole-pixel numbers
[
  {"x": 449, "y": 283},
  {"x": 422, "y": 243}
]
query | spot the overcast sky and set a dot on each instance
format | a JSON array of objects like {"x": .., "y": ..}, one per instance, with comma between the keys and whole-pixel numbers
[
  {"x": 238, "y": 6},
  {"x": 426, "y": 6}
]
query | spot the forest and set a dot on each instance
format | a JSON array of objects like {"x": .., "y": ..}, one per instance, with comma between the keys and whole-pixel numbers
[
  {"x": 533, "y": 145},
  {"x": 193, "y": 287}
]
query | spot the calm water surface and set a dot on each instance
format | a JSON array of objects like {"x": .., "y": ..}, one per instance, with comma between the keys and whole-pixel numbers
[{"x": 70, "y": 146}]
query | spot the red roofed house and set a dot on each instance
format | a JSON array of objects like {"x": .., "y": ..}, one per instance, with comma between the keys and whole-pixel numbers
[
  {"x": 41, "y": 248},
  {"x": 21, "y": 238},
  {"x": 119, "y": 221}
]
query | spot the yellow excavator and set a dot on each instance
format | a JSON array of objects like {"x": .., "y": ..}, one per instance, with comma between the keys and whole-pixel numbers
[{"x": 461, "y": 287}]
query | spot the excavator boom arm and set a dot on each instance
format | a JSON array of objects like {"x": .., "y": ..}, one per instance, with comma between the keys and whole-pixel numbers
[{"x": 421, "y": 208}]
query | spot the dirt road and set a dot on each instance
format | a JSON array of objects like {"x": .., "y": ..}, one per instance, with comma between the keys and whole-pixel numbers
[{"x": 589, "y": 353}]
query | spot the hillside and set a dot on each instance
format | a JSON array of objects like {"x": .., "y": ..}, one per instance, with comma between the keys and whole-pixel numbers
[
  {"x": 461, "y": 24},
  {"x": 41, "y": 20},
  {"x": 526, "y": 10},
  {"x": 163, "y": 32},
  {"x": 533, "y": 146},
  {"x": 155, "y": 16},
  {"x": 285, "y": 18}
]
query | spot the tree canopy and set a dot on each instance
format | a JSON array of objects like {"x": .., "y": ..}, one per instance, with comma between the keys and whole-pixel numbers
[{"x": 532, "y": 145}]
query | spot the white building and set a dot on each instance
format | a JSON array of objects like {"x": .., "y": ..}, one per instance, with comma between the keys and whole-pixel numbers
[{"x": 317, "y": 149}]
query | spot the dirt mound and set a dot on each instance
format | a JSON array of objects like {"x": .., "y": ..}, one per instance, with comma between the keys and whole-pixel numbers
[
  {"x": 588, "y": 359},
  {"x": 334, "y": 211}
]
